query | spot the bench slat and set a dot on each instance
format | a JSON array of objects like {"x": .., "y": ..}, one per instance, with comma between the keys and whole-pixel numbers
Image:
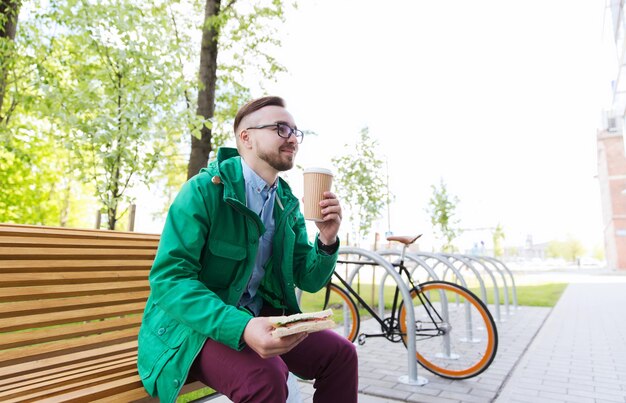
[
  {"x": 41, "y": 321},
  {"x": 83, "y": 389},
  {"x": 71, "y": 358},
  {"x": 21, "y": 241},
  {"x": 80, "y": 253},
  {"x": 63, "y": 378},
  {"x": 38, "y": 373},
  {"x": 70, "y": 277},
  {"x": 29, "y": 230},
  {"x": 60, "y": 291},
  {"x": 85, "y": 344},
  {"x": 36, "y": 266},
  {"x": 130, "y": 388},
  {"x": 22, "y": 308}
]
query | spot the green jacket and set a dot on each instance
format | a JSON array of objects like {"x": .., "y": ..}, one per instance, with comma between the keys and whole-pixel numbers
[{"x": 204, "y": 261}]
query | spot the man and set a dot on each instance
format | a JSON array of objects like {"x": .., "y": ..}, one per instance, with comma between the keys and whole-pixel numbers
[{"x": 233, "y": 248}]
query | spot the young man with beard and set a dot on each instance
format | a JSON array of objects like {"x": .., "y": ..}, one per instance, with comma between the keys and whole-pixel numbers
[{"x": 233, "y": 249}]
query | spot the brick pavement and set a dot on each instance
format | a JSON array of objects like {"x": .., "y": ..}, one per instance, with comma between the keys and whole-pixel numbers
[
  {"x": 381, "y": 363},
  {"x": 580, "y": 353}
]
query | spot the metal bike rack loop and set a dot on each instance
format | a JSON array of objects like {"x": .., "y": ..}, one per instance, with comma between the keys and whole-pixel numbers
[
  {"x": 498, "y": 263},
  {"x": 416, "y": 259},
  {"x": 412, "y": 378},
  {"x": 485, "y": 263},
  {"x": 446, "y": 345},
  {"x": 445, "y": 262},
  {"x": 483, "y": 290},
  {"x": 444, "y": 259},
  {"x": 496, "y": 292}
]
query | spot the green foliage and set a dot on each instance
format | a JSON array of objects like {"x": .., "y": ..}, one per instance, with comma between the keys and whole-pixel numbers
[
  {"x": 498, "y": 237},
  {"x": 112, "y": 87},
  {"x": 598, "y": 252},
  {"x": 570, "y": 249},
  {"x": 360, "y": 183},
  {"x": 100, "y": 96},
  {"x": 247, "y": 37},
  {"x": 35, "y": 173},
  {"x": 441, "y": 209}
]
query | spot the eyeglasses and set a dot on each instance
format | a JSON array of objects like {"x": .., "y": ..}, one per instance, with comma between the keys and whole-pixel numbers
[{"x": 283, "y": 130}]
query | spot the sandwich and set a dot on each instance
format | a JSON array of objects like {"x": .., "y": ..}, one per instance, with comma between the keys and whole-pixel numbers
[{"x": 301, "y": 322}]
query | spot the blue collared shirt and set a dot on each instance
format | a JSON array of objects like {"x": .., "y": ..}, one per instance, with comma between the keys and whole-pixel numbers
[{"x": 260, "y": 198}]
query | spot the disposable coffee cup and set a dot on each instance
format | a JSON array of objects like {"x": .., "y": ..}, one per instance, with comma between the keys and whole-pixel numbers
[{"x": 316, "y": 182}]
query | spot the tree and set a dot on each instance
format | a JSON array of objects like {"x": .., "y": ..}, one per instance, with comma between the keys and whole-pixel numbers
[
  {"x": 115, "y": 89},
  {"x": 33, "y": 171},
  {"x": 9, "y": 10},
  {"x": 360, "y": 182},
  {"x": 498, "y": 237},
  {"x": 441, "y": 209},
  {"x": 243, "y": 33},
  {"x": 570, "y": 249}
]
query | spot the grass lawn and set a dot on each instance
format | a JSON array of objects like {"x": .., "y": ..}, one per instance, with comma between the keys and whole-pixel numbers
[
  {"x": 529, "y": 295},
  {"x": 196, "y": 394}
]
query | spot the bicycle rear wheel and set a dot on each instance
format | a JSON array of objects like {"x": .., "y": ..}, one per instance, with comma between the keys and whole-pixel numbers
[
  {"x": 455, "y": 333},
  {"x": 345, "y": 312}
]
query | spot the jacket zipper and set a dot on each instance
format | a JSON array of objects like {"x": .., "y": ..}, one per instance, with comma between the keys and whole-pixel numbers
[{"x": 287, "y": 213}]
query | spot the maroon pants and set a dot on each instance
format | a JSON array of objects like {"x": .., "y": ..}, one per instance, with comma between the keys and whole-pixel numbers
[{"x": 243, "y": 376}]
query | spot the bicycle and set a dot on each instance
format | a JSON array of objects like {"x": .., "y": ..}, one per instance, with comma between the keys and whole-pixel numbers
[{"x": 456, "y": 333}]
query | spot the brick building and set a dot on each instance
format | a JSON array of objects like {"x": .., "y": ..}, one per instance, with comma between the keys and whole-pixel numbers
[
  {"x": 612, "y": 181},
  {"x": 610, "y": 140}
]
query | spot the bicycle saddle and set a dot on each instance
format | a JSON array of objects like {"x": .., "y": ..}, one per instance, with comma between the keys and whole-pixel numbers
[{"x": 407, "y": 240}]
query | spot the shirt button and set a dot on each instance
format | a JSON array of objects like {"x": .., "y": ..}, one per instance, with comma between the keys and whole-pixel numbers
[
  {"x": 161, "y": 331},
  {"x": 176, "y": 383}
]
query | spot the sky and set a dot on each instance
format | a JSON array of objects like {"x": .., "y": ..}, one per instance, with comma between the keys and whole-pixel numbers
[{"x": 500, "y": 99}]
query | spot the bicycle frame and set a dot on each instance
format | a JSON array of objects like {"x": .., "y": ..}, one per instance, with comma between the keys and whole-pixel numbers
[{"x": 391, "y": 331}]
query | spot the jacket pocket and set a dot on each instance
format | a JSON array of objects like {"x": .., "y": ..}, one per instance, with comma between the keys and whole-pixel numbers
[
  {"x": 222, "y": 263},
  {"x": 160, "y": 337}
]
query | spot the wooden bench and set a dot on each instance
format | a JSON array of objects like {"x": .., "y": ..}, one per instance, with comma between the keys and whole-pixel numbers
[{"x": 71, "y": 303}]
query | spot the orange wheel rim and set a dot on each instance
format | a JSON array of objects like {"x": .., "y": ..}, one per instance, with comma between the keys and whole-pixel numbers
[
  {"x": 490, "y": 339},
  {"x": 352, "y": 334}
]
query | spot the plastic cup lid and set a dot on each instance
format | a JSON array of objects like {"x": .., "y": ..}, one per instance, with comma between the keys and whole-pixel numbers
[{"x": 318, "y": 170}]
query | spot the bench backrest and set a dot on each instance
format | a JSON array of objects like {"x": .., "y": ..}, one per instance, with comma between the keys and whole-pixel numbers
[{"x": 68, "y": 297}]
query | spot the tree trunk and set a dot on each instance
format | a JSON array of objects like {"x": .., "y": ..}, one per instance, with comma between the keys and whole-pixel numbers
[
  {"x": 201, "y": 148},
  {"x": 9, "y": 9}
]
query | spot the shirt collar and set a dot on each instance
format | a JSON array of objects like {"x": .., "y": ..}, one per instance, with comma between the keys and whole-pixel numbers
[{"x": 254, "y": 181}]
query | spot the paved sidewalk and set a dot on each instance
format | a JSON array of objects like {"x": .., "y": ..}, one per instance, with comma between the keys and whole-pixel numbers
[
  {"x": 580, "y": 353},
  {"x": 382, "y": 363}
]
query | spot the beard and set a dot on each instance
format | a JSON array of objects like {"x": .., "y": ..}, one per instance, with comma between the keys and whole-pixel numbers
[{"x": 277, "y": 160}]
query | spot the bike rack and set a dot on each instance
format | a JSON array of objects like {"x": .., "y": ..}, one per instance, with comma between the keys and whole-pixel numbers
[
  {"x": 416, "y": 259},
  {"x": 496, "y": 262},
  {"x": 484, "y": 263},
  {"x": 496, "y": 292},
  {"x": 446, "y": 346},
  {"x": 412, "y": 378},
  {"x": 441, "y": 260}
]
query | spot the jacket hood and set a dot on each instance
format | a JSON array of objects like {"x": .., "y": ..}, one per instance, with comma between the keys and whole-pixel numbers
[{"x": 227, "y": 167}]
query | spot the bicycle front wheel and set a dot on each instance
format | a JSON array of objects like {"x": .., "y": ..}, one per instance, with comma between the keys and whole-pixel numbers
[
  {"x": 345, "y": 312},
  {"x": 456, "y": 336}
]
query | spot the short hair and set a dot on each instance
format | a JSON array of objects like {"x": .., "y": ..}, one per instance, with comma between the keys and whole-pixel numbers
[{"x": 255, "y": 105}]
